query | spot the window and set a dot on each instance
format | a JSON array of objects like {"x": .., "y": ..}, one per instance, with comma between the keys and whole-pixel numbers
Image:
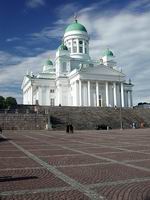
[
  {"x": 74, "y": 43},
  {"x": 52, "y": 101},
  {"x": 85, "y": 50},
  {"x": 69, "y": 49},
  {"x": 74, "y": 49},
  {"x": 80, "y": 50},
  {"x": 80, "y": 42},
  {"x": 51, "y": 91},
  {"x": 64, "y": 67}
]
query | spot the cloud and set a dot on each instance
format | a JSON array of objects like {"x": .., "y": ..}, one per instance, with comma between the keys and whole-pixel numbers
[
  {"x": 48, "y": 33},
  {"x": 13, "y": 39},
  {"x": 35, "y": 3},
  {"x": 126, "y": 32},
  {"x": 128, "y": 36},
  {"x": 11, "y": 75}
]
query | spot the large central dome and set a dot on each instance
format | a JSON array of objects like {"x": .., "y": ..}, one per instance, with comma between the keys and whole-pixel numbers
[{"x": 75, "y": 26}]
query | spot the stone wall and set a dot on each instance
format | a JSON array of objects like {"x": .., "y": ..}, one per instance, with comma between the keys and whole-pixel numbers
[{"x": 33, "y": 117}]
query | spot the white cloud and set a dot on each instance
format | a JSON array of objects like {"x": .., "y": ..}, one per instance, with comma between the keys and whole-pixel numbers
[
  {"x": 126, "y": 32},
  {"x": 128, "y": 35},
  {"x": 12, "y": 75},
  {"x": 12, "y": 39},
  {"x": 35, "y": 3}
]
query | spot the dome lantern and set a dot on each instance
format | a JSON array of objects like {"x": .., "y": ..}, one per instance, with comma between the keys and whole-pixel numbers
[
  {"x": 108, "y": 53},
  {"x": 63, "y": 47},
  {"x": 48, "y": 62}
]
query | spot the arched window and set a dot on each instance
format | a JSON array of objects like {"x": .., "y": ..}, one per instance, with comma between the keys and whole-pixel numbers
[
  {"x": 74, "y": 46},
  {"x": 80, "y": 46}
]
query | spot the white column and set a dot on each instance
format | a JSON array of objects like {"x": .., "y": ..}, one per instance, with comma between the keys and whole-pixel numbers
[
  {"x": 115, "y": 94},
  {"x": 122, "y": 95},
  {"x": 97, "y": 94},
  {"x": 83, "y": 46},
  {"x": 40, "y": 96},
  {"x": 89, "y": 93},
  {"x": 71, "y": 46},
  {"x": 77, "y": 45},
  {"x": 76, "y": 94},
  {"x": 80, "y": 93},
  {"x": 107, "y": 95},
  {"x": 31, "y": 93}
]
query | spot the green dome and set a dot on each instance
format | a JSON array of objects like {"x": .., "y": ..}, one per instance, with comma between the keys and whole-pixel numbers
[
  {"x": 63, "y": 47},
  {"x": 107, "y": 52},
  {"x": 49, "y": 62},
  {"x": 75, "y": 26}
]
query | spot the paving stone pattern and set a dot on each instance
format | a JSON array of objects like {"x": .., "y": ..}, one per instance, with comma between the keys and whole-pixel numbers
[{"x": 96, "y": 165}]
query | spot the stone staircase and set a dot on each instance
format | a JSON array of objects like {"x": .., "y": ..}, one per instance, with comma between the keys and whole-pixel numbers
[{"x": 82, "y": 118}]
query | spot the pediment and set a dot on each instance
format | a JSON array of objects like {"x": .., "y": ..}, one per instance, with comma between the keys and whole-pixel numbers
[
  {"x": 25, "y": 81},
  {"x": 101, "y": 70}
]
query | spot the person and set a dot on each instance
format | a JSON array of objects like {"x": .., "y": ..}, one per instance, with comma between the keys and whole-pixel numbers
[
  {"x": 71, "y": 128},
  {"x": 67, "y": 128},
  {"x": 1, "y": 130}
]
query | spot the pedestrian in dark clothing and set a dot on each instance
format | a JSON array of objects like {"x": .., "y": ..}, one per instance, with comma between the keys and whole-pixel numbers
[
  {"x": 67, "y": 128},
  {"x": 71, "y": 128},
  {"x": 1, "y": 130}
]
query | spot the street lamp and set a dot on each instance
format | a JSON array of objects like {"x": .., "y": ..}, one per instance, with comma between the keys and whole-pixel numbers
[{"x": 120, "y": 109}]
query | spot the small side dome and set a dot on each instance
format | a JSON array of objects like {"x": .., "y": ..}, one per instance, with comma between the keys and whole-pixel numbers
[
  {"x": 63, "y": 47},
  {"x": 49, "y": 62},
  {"x": 107, "y": 52},
  {"x": 75, "y": 26}
]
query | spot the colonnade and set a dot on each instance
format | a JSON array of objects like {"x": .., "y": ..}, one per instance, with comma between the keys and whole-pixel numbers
[{"x": 117, "y": 101}]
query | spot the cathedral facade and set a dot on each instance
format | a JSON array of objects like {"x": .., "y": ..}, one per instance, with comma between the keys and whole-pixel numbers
[{"x": 75, "y": 79}]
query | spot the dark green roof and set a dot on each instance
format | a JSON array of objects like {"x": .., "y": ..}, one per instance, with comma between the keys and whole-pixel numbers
[
  {"x": 63, "y": 47},
  {"x": 49, "y": 62},
  {"x": 107, "y": 52},
  {"x": 75, "y": 26}
]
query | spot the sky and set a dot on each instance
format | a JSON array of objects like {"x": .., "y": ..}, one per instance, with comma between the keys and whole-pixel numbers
[{"x": 32, "y": 30}]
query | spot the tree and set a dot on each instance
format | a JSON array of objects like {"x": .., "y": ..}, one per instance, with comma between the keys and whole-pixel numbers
[
  {"x": 2, "y": 102},
  {"x": 10, "y": 102}
]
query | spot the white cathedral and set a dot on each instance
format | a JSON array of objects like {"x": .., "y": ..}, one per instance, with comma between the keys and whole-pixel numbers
[{"x": 74, "y": 79}]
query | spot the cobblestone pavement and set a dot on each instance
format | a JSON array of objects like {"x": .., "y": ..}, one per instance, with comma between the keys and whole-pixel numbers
[{"x": 86, "y": 165}]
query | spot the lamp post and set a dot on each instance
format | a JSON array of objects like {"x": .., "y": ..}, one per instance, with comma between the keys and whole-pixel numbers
[
  {"x": 48, "y": 125},
  {"x": 120, "y": 109}
]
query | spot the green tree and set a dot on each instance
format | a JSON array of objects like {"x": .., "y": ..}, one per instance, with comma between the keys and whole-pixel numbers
[
  {"x": 2, "y": 102},
  {"x": 10, "y": 102}
]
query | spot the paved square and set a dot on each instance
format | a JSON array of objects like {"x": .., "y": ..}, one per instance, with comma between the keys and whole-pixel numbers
[{"x": 96, "y": 165}]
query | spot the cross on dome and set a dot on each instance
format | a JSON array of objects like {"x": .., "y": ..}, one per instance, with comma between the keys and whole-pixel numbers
[{"x": 75, "y": 17}]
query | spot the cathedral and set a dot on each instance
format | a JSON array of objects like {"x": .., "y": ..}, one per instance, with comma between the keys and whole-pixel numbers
[{"x": 75, "y": 79}]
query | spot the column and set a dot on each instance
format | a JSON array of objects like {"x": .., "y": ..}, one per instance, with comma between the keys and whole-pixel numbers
[
  {"x": 71, "y": 46},
  {"x": 76, "y": 94},
  {"x": 31, "y": 93},
  {"x": 115, "y": 94},
  {"x": 89, "y": 93},
  {"x": 97, "y": 94},
  {"x": 77, "y": 45},
  {"x": 83, "y": 46},
  {"x": 122, "y": 95},
  {"x": 40, "y": 96},
  {"x": 80, "y": 93},
  {"x": 107, "y": 96}
]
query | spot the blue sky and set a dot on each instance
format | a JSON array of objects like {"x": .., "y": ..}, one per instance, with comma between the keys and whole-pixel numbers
[{"x": 31, "y": 31}]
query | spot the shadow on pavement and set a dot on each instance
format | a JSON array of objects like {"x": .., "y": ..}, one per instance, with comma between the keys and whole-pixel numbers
[
  {"x": 10, "y": 178},
  {"x": 4, "y": 139}
]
